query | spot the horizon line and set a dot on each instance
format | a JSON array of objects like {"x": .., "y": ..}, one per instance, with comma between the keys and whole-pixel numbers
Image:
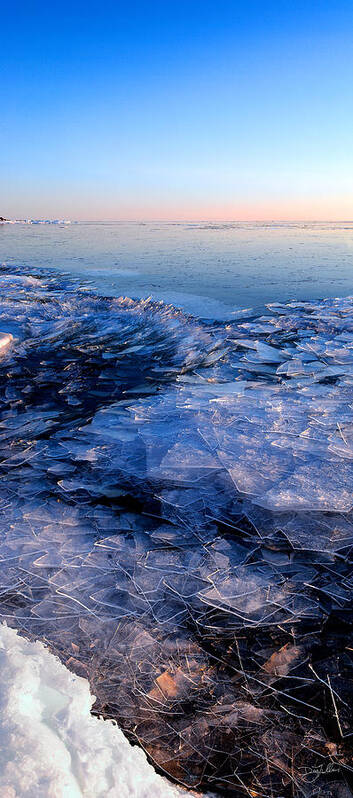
[{"x": 146, "y": 220}]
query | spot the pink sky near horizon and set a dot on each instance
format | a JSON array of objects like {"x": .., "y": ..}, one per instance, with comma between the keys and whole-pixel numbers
[{"x": 303, "y": 210}]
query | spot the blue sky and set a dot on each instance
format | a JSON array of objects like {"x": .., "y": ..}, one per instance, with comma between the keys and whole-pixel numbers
[{"x": 173, "y": 110}]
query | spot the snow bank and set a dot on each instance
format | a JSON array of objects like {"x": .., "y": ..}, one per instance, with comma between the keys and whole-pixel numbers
[{"x": 50, "y": 744}]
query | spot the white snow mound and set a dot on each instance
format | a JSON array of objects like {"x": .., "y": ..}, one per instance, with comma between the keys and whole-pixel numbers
[{"x": 50, "y": 744}]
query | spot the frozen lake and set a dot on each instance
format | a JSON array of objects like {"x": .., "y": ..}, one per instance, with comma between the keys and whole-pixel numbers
[
  {"x": 207, "y": 268},
  {"x": 176, "y": 501}
]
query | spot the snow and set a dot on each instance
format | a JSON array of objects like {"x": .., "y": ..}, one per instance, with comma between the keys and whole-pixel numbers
[{"x": 50, "y": 744}]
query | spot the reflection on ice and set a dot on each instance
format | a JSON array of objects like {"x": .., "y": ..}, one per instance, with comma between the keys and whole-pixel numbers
[{"x": 176, "y": 515}]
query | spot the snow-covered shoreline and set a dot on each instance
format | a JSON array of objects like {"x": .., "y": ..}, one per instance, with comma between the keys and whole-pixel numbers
[{"x": 50, "y": 744}]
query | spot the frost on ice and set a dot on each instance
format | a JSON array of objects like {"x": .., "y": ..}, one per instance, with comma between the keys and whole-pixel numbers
[{"x": 177, "y": 525}]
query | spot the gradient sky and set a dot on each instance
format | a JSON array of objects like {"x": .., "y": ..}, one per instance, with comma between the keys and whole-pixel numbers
[{"x": 177, "y": 110}]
